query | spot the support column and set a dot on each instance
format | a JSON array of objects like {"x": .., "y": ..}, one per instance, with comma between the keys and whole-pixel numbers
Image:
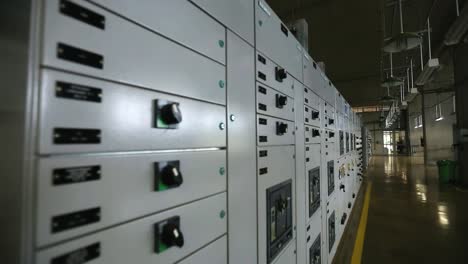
[{"x": 460, "y": 63}]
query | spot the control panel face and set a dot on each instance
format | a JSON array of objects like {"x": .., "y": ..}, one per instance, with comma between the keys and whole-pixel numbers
[
  {"x": 274, "y": 76},
  {"x": 279, "y": 218},
  {"x": 314, "y": 190},
  {"x": 331, "y": 231},
  {"x": 312, "y": 135},
  {"x": 274, "y": 131},
  {"x": 312, "y": 116},
  {"x": 155, "y": 62},
  {"x": 331, "y": 176},
  {"x": 273, "y": 103},
  {"x": 315, "y": 254}
]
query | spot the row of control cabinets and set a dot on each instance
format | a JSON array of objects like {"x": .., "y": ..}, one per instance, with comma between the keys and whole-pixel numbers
[
  {"x": 131, "y": 139},
  {"x": 219, "y": 141}
]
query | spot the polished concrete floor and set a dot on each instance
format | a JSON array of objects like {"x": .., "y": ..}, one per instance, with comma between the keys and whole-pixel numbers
[{"x": 413, "y": 219}]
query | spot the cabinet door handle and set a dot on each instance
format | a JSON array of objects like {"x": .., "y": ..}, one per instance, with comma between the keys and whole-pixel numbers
[{"x": 285, "y": 30}]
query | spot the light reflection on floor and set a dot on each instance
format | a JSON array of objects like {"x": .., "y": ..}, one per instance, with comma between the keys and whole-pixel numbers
[{"x": 413, "y": 219}]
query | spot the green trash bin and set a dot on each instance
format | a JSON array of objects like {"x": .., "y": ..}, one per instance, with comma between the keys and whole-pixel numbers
[{"x": 446, "y": 171}]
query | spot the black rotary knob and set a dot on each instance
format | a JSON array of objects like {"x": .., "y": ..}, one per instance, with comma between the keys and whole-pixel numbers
[
  {"x": 315, "y": 133},
  {"x": 349, "y": 205},
  {"x": 280, "y": 74},
  {"x": 343, "y": 218},
  {"x": 172, "y": 236},
  {"x": 171, "y": 176},
  {"x": 281, "y": 128},
  {"x": 281, "y": 101},
  {"x": 171, "y": 114},
  {"x": 342, "y": 187},
  {"x": 315, "y": 115}
]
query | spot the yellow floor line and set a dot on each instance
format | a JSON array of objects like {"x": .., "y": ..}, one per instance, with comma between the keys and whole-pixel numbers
[{"x": 359, "y": 244}]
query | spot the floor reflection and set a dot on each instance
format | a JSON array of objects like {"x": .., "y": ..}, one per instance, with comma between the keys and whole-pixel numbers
[{"x": 411, "y": 217}]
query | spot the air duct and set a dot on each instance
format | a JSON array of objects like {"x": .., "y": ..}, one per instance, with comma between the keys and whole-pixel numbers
[{"x": 458, "y": 29}]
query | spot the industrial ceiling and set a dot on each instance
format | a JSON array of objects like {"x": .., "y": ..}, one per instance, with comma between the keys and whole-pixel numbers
[{"x": 348, "y": 36}]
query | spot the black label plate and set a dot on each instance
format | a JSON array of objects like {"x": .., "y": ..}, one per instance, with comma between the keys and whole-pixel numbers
[
  {"x": 80, "y": 56},
  {"x": 79, "y": 256},
  {"x": 78, "y": 92},
  {"x": 71, "y": 175},
  {"x": 76, "y": 219},
  {"x": 77, "y": 136},
  {"x": 82, "y": 14}
]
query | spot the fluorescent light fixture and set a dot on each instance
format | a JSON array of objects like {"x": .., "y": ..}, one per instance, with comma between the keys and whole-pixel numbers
[
  {"x": 439, "y": 116},
  {"x": 402, "y": 42},
  {"x": 411, "y": 95},
  {"x": 458, "y": 29},
  {"x": 454, "y": 104},
  {"x": 392, "y": 82},
  {"x": 431, "y": 66}
]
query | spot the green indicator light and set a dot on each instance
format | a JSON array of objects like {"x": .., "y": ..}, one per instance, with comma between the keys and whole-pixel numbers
[
  {"x": 222, "y": 214},
  {"x": 222, "y": 171},
  {"x": 260, "y": 22},
  {"x": 221, "y": 84},
  {"x": 162, "y": 187},
  {"x": 221, "y": 43},
  {"x": 160, "y": 123},
  {"x": 162, "y": 247}
]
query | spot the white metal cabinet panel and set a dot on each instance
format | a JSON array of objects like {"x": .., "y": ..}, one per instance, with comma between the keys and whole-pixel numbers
[
  {"x": 130, "y": 54},
  {"x": 125, "y": 117},
  {"x": 125, "y": 190},
  {"x": 269, "y": 103},
  {"x": 288, "y": 256},
  {"x": 313, "y": 135},
  {"x": 280, "y": 164},
  {"x": 267, "y": 131},
  {"x": 200, "y": 223},
  {"x": 314, "y": 232},
  {"x": 312, "y": 156},
  {"x": 275, "y": 41},
  {"x": 236, "y": 15},
  {"x": 332, "y": 241},
  {"x": 241, "y": 133},
  {"x": 330, "y": 137},
  {"x": 312, "y": 115},
  {"x": 214, "y": 253},
  {"x": 311, "y": 98},
  {"x": 266, "y": 73},
  {"x": 300, "y": 179},
  {"x": 199, "y": 31},
  {"x": 312, "y": 74}
]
